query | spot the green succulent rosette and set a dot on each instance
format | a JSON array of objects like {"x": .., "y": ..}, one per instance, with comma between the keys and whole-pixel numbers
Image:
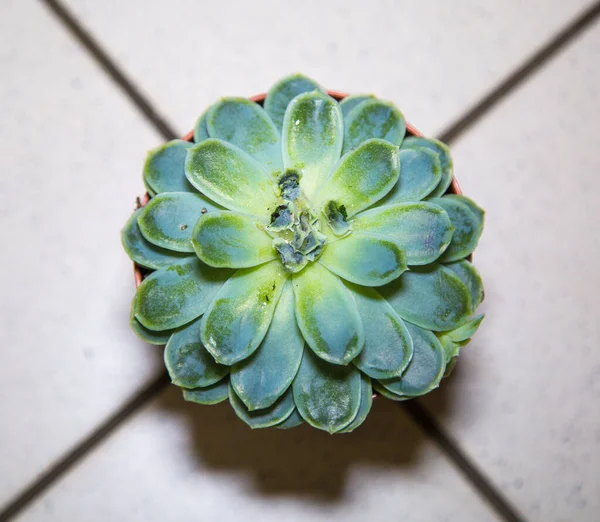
[{"x": 301, "y": 255}]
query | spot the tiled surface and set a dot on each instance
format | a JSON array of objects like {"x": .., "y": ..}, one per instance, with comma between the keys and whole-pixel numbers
[
  {"x": 70, "y": 153},
  {"x": 524, "y": 401},
  {"x": 434, "y": 58},
  {"x": 175, "y": 461}
]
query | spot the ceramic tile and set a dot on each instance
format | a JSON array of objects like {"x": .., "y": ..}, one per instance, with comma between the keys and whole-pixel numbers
[
  {"x": 71, "y": 149},
  {"x": 524, "y": 400},
  {"x": 434, "y": 59},
  {"x": 177, "y": 461}
]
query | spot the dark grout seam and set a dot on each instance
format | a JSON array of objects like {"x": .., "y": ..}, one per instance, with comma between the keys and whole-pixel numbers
[
  {"x": 83, "y": 448},
  {"x": 529, "y": 67},
  {"x": 111, "y": 69},
  {"x": 469, "y": 470}
]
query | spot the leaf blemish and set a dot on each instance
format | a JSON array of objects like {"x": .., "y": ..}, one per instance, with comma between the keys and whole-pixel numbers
[{"x": 183, "y": 227}]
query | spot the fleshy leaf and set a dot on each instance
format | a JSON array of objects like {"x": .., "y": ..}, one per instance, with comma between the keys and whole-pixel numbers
[
  {"x": 431, "y": 296},
  {"x": 350, "y": 102},
  {"x": 465, "y": 331},
  {"x": 388, "y": 346},
  {"x": 473, "y": 207},
  {"x": 426, "y": 369},
  {"x": 421, "y": 230},
  {"x": 188, "y": 362},
  {"x": 283, "y": 92},
  {"x": 467, "y": 228},
  {"x": 140, "y": 250},
  {"x": 373, "y": 119},
  {"x": 420, "y": 173},
  {"x": 384, "y": 392},
  {"x": 365, "y": 259},
  {"x": 443, "y": 152},
  {"x": 362, "y": 177},
  {"x": 366, "y": 401},
  {"x": 326, "y": 395},
  {"x": 164, "y": 170},
  {"x": 471, "y": 279},
  {"x": 210, "y": 395},
  {"x": 201, "y": 128},
  {"x": 232, "y": 178},
  {"x": 271, "y": 416},
  {"x": 174, "y": 296},
  {"x": 263, "y": 377},
  {"x": 327, "y": 315},
  {"x": 293, "y": 421},
  {"x": 312, "y": 138},
  {"x": 230, "y": 239},
  {"x": 246, "y": 125},
  {"x": 169, "y": 218},
  {"x": 238, "y": 318},
  {"x": 149, "y": 336}
]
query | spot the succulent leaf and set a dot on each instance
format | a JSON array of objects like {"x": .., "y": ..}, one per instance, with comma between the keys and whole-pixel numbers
[
  {"x": 239, "y": 316},
  {"x": 176, "y": 295},
  {"x": 473, "y": 207},
  {"x": 384, "y": 392},
  {"x": 362, "y": 177},
  {"x": 465, "y": 331},
  {"x": 426, "y": 369},
  {"x": 213, "y": 394},
  {"x": 149, "y": 336},
  {"x": 312, "y": 138},
  {"x": 373, "y": 119},
  {"x": 189, "y": 364},
  {"x": 246, "y": 125},
  {"x": 263, "y": 377},
  {"x": 140, "y": 250},
  {"x": 349, "y": 102},
  {"x": 326, "y": 395},
  {"x": 327, "y": 315},
  {"x": 420, "y": 173},
  {"x": 230, "y": 239},
  {"x": 283, "y": 92},
  {"x": 164, "y": 170},
  {"x": 227, "y": 175},
  {"x": 293, "y": 421},
  {"x": 366, "y": 401},
  {"x": 365, "y": 259},
  {"x": 432, "y": 297},
  {"x": 421, "y": 230},
  {"x": 467, "y": 228},
  {"x": 168, "y": 219},
  {"x": 201, "y": 128},
  {"x": 471, "y": 279},
  {"x": 275, "y": 414},
  {"x": 388, "y": 346},
  {"x": 443, "y": 152}
]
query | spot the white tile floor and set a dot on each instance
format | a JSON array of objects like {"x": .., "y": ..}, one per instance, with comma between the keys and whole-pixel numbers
[{"x": 523, "y": 403}]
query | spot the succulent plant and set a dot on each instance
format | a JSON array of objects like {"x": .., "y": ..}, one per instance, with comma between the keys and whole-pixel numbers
[{"x": 302, "y": 255}]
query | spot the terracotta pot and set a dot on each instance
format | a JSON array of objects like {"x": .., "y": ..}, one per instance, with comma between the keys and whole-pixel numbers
[{"x": 260, "y": 98}]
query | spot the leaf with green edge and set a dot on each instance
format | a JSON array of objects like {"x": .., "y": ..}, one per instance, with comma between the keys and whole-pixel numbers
[
  {"x": 326, "y": 395},
  {"x": 210, "y": 395},
  {"x": 230, "y": 239},
  {"x": 176, "y": 295},
  {"x": 239, "y": 316},
  {"x": 169, "y": 218},
  {"x": 384, "y": 392},
  {"x": 189, "y": 364},
  {"x": 364, "y": 259},
  {"x": 283, "y": 92},
  {"x": 388, "y": 346},
  {"x": 246, "y": 125},
  {"x": 471, "y": 279},
  {"x": 263, "y": 377},
  {"x": 465, "y": 331},
  {"x": 426, "y": 369},
  {"x": 327, "y": 315},
  {"x": 232, "y": 178},
  {"x": 432, "y": 297},
  {"x": 420, "y": 173},
  {"x": 312, "y": 138},
  {"x": 373, "y": 119},
  {"x": 201, "y": 128},
  {"x": 350, "y": 102},
  {"x": 152, "y": 337},
  {"x": 140, "y": 250},
  {"x": 366, "y": 401},
  {"x": 443, "y": 152},
  {"x": 164, "y": 170},
  {"x": 467, "y": 229},
  {"x": 293, "y": 421},
  {"x": 421, "y": 230},
  {"x": 362, "y": 177},
  {"x": 473, "y": 207},
  {"x": 275, "y": 414}
]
